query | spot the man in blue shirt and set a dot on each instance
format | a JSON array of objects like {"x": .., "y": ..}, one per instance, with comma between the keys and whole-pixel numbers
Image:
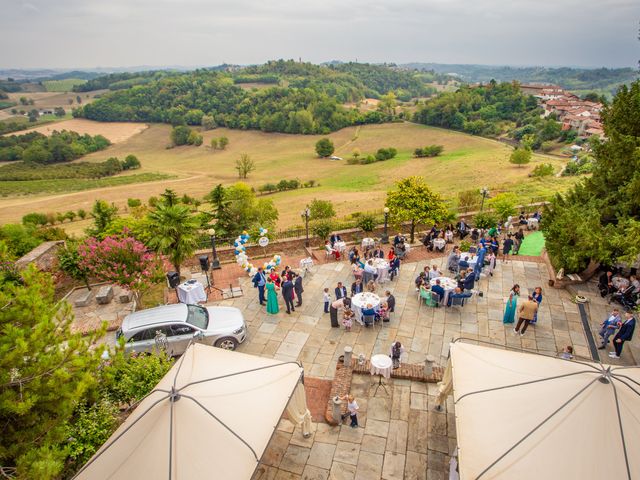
[
  {"x": 438, "y": 290},
  {"x": 259, "y": 282}
]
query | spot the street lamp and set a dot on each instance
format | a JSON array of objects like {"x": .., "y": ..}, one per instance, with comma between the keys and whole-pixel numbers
[
  {"x": 306, "y": 213},
  {"x": 215, "y": 264},
  {"x": 484, "y": 191},
  {"x": 385, "y": 235}
]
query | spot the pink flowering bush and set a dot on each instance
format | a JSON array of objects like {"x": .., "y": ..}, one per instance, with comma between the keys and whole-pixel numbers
[{"x": 123, "y": 261}]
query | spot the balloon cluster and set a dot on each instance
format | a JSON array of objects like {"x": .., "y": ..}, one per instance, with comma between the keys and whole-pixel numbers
[{"x": 242, "y": 259}]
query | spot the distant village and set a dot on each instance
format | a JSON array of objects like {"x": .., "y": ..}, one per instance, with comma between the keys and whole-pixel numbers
[{"x": 582, "y": 116}]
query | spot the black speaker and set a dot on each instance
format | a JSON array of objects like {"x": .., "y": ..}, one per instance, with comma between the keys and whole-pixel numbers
[
  {"x": 174, "y": 279},
  {"x": 204, "y": 262}
]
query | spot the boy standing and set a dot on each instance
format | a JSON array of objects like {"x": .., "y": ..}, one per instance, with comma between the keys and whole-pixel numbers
[{"x": 326, "y": 298}]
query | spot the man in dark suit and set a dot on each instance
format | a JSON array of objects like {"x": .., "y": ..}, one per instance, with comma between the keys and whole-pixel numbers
[
  {"x": 287, "y": 295},
  {"x": 259, "y": 282},
  {"x": 469, "y": 282},
  {"x": 341, "y": 291},
  {"x": 624, "y": 334},
  {"x": 391, "y": 301},
  {"x": 356, "y": 287},
  {"x": 297, "y": 287},
  {"x": 438, "y": 290}
]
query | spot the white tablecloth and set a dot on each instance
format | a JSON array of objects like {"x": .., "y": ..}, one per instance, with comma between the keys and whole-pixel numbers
[
  {"x": 449, "y": 285},
  {"x": 368, "y": 242},
  {"x": 340, "y": 246},
  {"x": 381, "y": 365},
  {"x": 532, "y": 223},
  {"x": 382, "y": 267},
  {"x": 191, "y": 293},
  {"x": 620, "y": 282},
  {"x": 439, "y": 243},
  {"x": 361, "y": 300},
  {"x": 471, "y": 259}
]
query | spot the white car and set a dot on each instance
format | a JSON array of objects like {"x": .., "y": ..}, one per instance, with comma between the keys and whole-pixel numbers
[
  {"x": 179, "y": 324},
  {"x": 333, "y": 157}
]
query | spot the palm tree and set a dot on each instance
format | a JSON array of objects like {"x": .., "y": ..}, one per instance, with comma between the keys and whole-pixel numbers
[{"x": 174, "y": 232}]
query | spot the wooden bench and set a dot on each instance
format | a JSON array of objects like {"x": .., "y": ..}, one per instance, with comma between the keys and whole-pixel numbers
[
  {"x": 104, "y": 295},
  {"x": 83, "y": 299}
]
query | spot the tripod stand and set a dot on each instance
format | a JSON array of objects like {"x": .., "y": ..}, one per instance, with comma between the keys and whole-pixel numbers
[{"x": 380, "y": 384}]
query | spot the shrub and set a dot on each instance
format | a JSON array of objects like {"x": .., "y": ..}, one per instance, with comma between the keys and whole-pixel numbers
[
  {"x": 429, "y": 151},
  {"x": 82, "y": 213},
  {"x": 131, "y": 162},
  {"x": 520, "y": 156},
  {"x": 485, "y": 220},
  {"x": 322, "y": 228},
  {"x": 324, "y": 147},
  {"x": 321, "y": 209},
  {"x": 223, "y": 142},
  {"x": 386, "y": 154},
  {"x": 542, "y": 170},
  {"x": 353, "y": 161},
  {"x": 367, "y": 160},
  {"x": 465, "y": 245},
  {"x": 504, "y": 205},
  {"x": 283, "y": 185},
  {"x": 367, "y": 223},
  {"x": 133, "y": 202},
  {"x": 180, "y": 135},
  {"x": 34, "y": 219},
  {"x": 267, "y": 187}
]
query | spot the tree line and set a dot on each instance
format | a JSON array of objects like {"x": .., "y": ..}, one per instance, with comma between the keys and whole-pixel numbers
[{"x": 64, "y": 146}]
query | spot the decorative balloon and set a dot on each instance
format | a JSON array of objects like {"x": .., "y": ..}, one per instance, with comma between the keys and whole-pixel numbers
[{"x": 242, "y": 259}]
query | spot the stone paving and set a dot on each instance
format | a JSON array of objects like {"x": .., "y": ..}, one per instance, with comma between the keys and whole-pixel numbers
[{"x": 400, "y": 434}]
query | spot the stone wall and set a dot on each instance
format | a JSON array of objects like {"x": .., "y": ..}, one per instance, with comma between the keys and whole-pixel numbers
[{"x": 44, "y": 256}]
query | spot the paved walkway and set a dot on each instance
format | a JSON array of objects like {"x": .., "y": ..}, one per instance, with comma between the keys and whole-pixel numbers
[{"x": 400, "y": 436}]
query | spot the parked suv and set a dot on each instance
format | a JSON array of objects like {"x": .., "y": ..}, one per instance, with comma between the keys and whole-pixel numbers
[{"x": 222, "y": 327}]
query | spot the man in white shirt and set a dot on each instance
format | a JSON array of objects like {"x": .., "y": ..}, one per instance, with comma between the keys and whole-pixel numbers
[
  {"x": 434, "y": 272},
  {"x": 370, "y": 270}
]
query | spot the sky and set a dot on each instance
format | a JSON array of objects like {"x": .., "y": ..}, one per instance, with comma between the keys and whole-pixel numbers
[{"x": 125, "y": 33}]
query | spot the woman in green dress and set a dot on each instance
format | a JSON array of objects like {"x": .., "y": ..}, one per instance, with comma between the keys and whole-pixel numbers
[
  {"x": 272, "y": 297},
  {"x": 512, "y": 303}
]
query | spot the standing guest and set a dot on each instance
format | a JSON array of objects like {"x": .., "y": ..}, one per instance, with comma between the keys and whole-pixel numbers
[
  {"x": 518, "y": 238},
  {"x": 326, "y": 298},
  {"x": 624, "y": 334},
  {"x": 287, "y": 295},
  {"x": 347, "y": 319},
  {"x": 394, "y": 267},
  {"x": 609, "y": 327},
  {"x": 507, "y": 245},
  {"x": 340, "y": 303},
  {"x": 352, "y": 408},
  {"x": 341, "y": 291},
  {"x": 391, "y": 301},
  {"x": 605, "y": 283},
  {"x": 462, "y": 229},
  {"x": 495, "y": 245},
  {"x": 356, "y": 287},
  {"x": 492, "y": 262},
  {"x": 526, "y": 312},
  {"x": 353, "y": 254},
  {"x": 512, "y": 303},
  {"x": 260, "y": 282},
  {"x": 453, "y": 260},
  {"x": 537, "y": 297},
  {"x": 272, "y": 297},
  {"x": 334, "y": 238},
  {"x": 396, "y": 353},
  {"x": 297, "y": 287},
  {"x": 287, "y": 273}
]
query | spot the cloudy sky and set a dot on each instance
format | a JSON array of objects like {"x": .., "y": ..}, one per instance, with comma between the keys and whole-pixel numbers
[{"x": 110, "y": 33}]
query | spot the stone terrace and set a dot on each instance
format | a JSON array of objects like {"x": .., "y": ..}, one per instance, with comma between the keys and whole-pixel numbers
[{"x": 400, "y": 435}]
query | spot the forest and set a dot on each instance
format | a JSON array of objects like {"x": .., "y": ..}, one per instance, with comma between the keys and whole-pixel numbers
[{"x": 64, "y": 146}]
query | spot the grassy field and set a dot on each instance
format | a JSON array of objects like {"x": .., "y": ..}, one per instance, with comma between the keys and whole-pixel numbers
[
  {"x": 116, "y": 132},
  {"x": 65, "y": 85},
  {"x": 467, "y": 162}
]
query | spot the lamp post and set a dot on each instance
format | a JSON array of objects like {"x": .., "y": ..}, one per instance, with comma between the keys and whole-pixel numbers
[
  {"x": 306, "y": 213},
  {"x": 385, "y": 235},
  {"x": 215, "y": 263},
  {"x": 484, "y": 191}
]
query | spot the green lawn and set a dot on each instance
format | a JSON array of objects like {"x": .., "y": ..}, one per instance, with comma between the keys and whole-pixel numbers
[{"x": 65, "y": 85}]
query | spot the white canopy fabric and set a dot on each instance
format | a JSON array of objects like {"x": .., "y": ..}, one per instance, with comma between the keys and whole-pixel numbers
[
  {"x": 211, "y": 416},
  {"x": 525, "y": 416}
]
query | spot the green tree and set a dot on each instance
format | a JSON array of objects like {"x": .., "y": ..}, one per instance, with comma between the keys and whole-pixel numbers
[
  {"x": 520, "y": 156},
  {"x": 413, "y": 201},
  {"x": 504, "y": 205},
  {"x": 388, "y": 104},
  {"x": 103, "y": 214},
  {"x": 131, "y": 162},
  {"x": 45, "y": 371},
  {"x": 208, "y": 122},
  {"x": 70, "y": 263},
  {"x": 214, "y": 143},
  {"x": 245, "y": 212},
  {"x": 245, "y": 165},
  {"x": 180, "y": 135},
  {"x": 169, "y": 197},
  {"x": 324, "y": 147},
  {"x": 174, "y": 232},
  {"x": 223, "y": 142},
  {"x": 219, "y": 202},
  {"x": 321, "y": 209},
  {"x": 59, "y": 112}
]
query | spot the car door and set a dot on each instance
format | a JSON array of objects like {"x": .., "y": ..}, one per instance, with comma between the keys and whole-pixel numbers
[
  {"x": 178, "y": 337},
  {"x": 142, "y": 342}
]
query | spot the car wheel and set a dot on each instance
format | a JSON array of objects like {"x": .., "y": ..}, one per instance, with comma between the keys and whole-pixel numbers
[{"x": 226, "y": 343}]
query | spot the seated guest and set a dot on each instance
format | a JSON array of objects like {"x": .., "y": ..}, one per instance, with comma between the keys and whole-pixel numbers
[
  {"x": 368, "y": 311},
  {"x": 424, "y": 288},
  {"x": 434, "y": 273},
  {"x": 460, "y": 278},
  {"x": 357, "y": 271},
  {"x": 522, "y": 219},
  {"x": 356, "y": 287},
  {"x": 391, "y": 255},
  {"x": 371, "y": 286},
  {"x": 457, "y": 293},
  {"x": 635, "y": 283},
  {"x": 605, "y": 283},
  {"x": 427, "y": 240},
  {"x": 383, "y": 312},
  {"x": 469, "y": 282},
  {"x": 420, "y": 280},
  {"x": 331, "y": 251},
  {"x": 438, "y": 290},
  {"x": 401, "y": 250},
  {"x": 398, "y": 239},
  {"x": 334, "y": 238},
  {"x": 378, "y": 252},
  {"x": 370, "y": 272},
  {"x": 448, "y": 235},
  {"x": 475, "y": 234},
  {"x": 353, "y": 253},
  {"x": 463, "y": 229}
]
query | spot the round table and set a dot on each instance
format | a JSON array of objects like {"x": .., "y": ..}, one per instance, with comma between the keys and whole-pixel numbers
[
  {"x": 191, "y": 293},
  {"x": 470, "y": 258},
  {"x": 360, "y": 301},
  {"x": 368, "y": 242},
  {"x": 532, "y": 223},
  {"x": 381, "y": 365},
  {"x": 449, "y": 285},
  {"x": 340, "y": 246},
  {"x": 439, "y": 243},
  {"x": 382, "y": 267}
]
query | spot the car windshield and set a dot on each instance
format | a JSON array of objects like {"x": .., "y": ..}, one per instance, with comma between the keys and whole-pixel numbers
[{"x": 198, "y": 316}]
